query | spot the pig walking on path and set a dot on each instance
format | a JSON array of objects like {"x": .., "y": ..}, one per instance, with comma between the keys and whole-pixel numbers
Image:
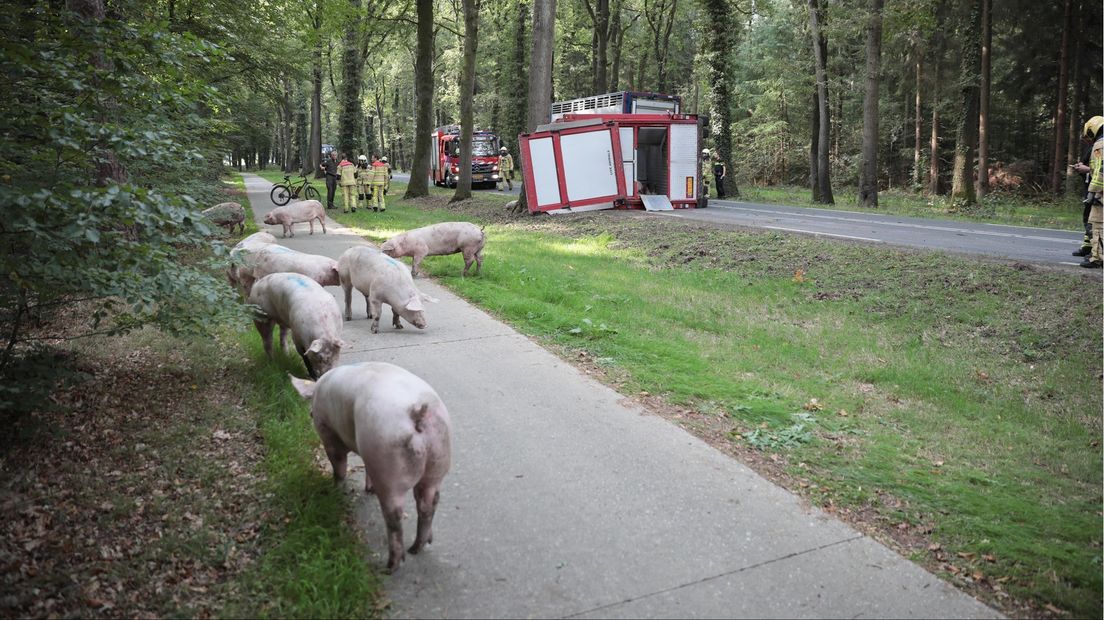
[
  {"x": 277, "y": 258},
  {"x": 398, "y": 425},
  {"x": 296, "y": 302},
  {"x": 382, "y": 280},
  {"x": 302, "y": 211},
  {"x": 438, "y": 240},
  {"x": 228, "y": 215}
]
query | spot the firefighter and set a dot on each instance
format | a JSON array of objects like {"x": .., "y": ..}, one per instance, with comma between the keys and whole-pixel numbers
[
  {"x": 505, "y": 168},
  {"x": 387, "y": 187},
  {"x": 719, "y": 173},
  {"x": 378, "y": 181},
  {"x": 1089, "y": 136},
  {"x": 329, "y": 167},
  {"x": 346, "y": 171},
  {"x": 705, "y": 172},
  {"x": 364, "y": 189},
  {"x": 1096, "y": 191}
]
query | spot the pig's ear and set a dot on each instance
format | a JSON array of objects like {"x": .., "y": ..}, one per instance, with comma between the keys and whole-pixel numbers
[
  {"x": 316, "y": 346},
  {"x": 303, "y": 386},
  {"x": 414, "y": 304}
]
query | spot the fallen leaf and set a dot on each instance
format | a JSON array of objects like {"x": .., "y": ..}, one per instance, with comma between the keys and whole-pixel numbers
[
  {"x": 989, "y": 557},
  {"x": 1054, "y": 610},
  {"x": 812, "y": 405},
  {"x": 842, "y": 413},
  {"x": 935, "y": 547},
  {"x": 966, "y": 555},
  {"x": 937, "y": 463},
  {"x": 799, "y": 276}
]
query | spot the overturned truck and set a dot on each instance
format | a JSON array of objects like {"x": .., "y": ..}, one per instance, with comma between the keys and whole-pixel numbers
[{"x": 602, "y": 156}]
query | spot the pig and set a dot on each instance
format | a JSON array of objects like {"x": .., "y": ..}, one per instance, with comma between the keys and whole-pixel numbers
[
  {"x": 228, "y": 215},
  {"x": 382, "y": 280},
  {"x": 302, "y": 211},
  {"x": 294, "y": 301},
  {"x": 437, "y": 240},
  {"x": 399, "y": 427},
  {"x": 276, "y": 258},
  {"x": 242, "y": 255}
]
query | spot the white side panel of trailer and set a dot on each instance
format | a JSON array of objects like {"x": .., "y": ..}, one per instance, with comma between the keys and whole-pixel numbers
[
  {"x": 545, "y": 177},
  {"x": 684, "y": 162},
  {"x": 588, "y": 167}
]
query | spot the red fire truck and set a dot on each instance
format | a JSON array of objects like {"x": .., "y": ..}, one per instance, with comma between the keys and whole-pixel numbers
[{"x": 444, "y": 166}]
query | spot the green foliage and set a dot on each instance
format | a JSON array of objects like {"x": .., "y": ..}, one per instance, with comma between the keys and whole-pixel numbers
[{"x": 94, "y": 99}]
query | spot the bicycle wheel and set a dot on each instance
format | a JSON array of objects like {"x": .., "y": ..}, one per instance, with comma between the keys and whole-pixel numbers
[
  {"x": 280, "y": 195},
  {"x": 311, "y": 193}
]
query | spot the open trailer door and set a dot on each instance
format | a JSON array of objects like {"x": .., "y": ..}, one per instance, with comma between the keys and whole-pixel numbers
[{"x": 572, "y": 167}]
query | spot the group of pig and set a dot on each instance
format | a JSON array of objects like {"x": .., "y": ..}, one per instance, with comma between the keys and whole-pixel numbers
[{"x": 393, "y": 419}]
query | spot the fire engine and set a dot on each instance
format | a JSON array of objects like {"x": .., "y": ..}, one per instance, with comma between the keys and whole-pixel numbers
[
  {"x": 444, "y": 166},
  {"x": 597, "y": 154}
]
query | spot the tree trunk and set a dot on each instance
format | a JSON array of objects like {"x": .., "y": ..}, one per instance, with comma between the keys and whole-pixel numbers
[
  {"x": 540, "y": 72},
  {"x": 983, "y": 104},
  {"x": 381, "y": 147},
  {"x": 349, "y": 129},
  {"x": 1058, "y": 164},
  {"x": 288, "y": 162},
  {"x": 517, "y": 80},
  {"x": 962, "y": 187},
  {"x": 814, "y": 148},
  {"x": 937, "y": 63},
  {"x": 302, "y": 143},
  {"x": 467, "y": 95},
  {"x": 1073, "y": 181},
  {"x": 868, "y": 180},
  {"x": 919, "y": 125},
  {"x": 423, "y": 90},
  {"x": 820, "y": 46},
  {"x": 109, "y": 169}
]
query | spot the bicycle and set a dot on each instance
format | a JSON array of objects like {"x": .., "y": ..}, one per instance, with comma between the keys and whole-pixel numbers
[{"x": 283, "y": 193}]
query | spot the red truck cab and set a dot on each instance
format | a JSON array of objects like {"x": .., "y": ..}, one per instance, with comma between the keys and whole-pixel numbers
[{"x": 444, "y": 167}]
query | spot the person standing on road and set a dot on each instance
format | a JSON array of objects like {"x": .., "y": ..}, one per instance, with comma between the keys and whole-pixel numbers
[
  {"x": 378, "y": 181},
  {"x": 506, "y": 168},
  {"x": 1089, "y": 136},
  {"x": 329, "y": 166},
  {"x": 347, "y": 173},
  {"x": 705, "y": 172},
  {"x": 1095, "y": 260},
  {"x": 719, "y": 173},
  {"x": 387, "y": 187},
  {"x": 364, "y": 189}
]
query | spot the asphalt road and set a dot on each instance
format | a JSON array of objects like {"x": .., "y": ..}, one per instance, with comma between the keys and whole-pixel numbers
[{"x": 1039, "y": 246}]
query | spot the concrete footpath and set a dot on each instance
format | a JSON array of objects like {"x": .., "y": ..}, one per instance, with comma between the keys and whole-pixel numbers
[{"x": 566, "y": 501}]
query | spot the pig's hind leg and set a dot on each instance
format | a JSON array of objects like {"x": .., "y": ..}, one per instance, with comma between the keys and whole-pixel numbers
[
  {"x": 336, "y": 451},
  {"x": 426, "y": 496},
  {"x": 391, "y": 504}
]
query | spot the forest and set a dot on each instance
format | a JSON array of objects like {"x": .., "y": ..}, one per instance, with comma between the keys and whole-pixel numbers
[{"x": 888, "y": 97}]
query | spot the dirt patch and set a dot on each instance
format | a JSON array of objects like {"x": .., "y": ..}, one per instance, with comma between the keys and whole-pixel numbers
[{"x": 139, "y": 496}]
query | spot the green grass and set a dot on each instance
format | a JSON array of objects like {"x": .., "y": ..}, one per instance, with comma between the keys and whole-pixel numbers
[
  {"x": 313, "y": 565},
  {"x": 1042, "y": 211},
  {"x": 952, "y": 393}
]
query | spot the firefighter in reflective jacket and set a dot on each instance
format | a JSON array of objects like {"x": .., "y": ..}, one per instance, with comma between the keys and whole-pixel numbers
[
  {"x": 346, "y": 173},
  {"x": 378, "y": 180},
  {"x": 1096, "y": 191},
  {"x": 506, "y": 168},
  {"x": 364, "y": 191}
]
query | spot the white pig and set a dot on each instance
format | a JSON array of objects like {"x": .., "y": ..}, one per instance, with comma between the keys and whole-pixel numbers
[
  {"x": 294, "y": 301},
  {"x": 302, "y": 211},
  {"x": 382, "y": 280},
  {"x": 241, "y": 256},
  {"x": 437, "y": 240},
  {"x": 399, "y": 427},
  {"x": 276, "y": 258}
]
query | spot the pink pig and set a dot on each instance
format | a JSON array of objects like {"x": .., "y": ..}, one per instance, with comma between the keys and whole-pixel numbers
[
  {"x": 301, "y": 305},
  {"x": 399, "y": 427},
  {"x": 303, "y": 211},
  {"x": 382, "y": 280},
  {"x": 276, "y": 258},
  {"x": 438, "y": 240}
]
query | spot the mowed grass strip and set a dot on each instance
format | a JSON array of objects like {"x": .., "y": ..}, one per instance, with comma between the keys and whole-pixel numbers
[
  {"x": 313, "y": 565},
  {"x": 959, "y": 400}
]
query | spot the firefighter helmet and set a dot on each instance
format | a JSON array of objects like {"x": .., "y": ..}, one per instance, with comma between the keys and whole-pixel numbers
[
  {"x": 705, "y": 152},
  {"x": 502, "y": 150},
  {"x": 362, "y": 158},
  {"x": 1092, "y": 126},
  {"x": 383, "y": 159}
]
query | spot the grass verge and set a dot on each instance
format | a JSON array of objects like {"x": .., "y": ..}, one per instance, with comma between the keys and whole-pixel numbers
[
  {"x": 1001, "y": 208},
  {"x": 949, "y": 406}
]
